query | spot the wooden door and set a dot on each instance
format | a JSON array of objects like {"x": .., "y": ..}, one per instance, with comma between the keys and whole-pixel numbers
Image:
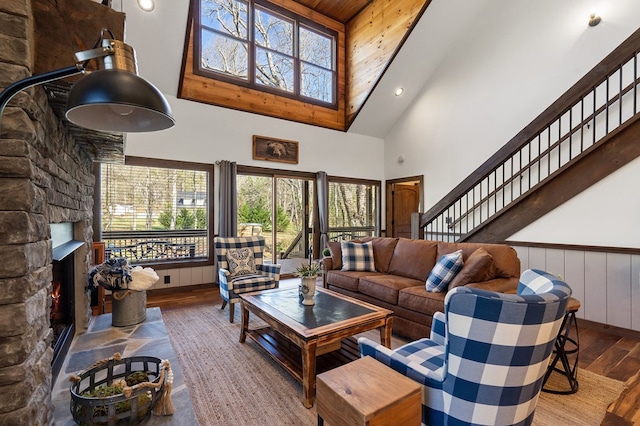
[{"x": 403, "y": 199}]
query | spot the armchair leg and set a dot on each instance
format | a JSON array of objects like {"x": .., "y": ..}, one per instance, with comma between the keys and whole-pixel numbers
[
  {"x": 224, "y": 303},
  {"x": 231, "y": 305}
]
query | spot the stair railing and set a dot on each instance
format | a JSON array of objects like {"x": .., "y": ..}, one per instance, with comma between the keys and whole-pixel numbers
[{"x": 595, "y": 106}]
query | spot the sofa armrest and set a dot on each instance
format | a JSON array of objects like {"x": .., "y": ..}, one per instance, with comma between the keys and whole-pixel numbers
[
  {"x": 326, "y": 264},
  {"x": 500, "y": 285},
  {"x": 412, "y": 369},
  {"x": 272, "y": 270}
]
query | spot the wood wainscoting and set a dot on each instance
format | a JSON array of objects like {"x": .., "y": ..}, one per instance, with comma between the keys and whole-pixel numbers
[{"x": 605, "y": 280}]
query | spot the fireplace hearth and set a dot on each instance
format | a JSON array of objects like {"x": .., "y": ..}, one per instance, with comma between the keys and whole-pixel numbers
[
  {"x": 62, "y": 312},
  {"x": 63, "y": 287}
]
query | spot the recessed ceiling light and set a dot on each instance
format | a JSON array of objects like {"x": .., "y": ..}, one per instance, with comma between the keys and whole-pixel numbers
[
  {"x": 399, "y": 91},
  {"x": 147, "y": 5}
]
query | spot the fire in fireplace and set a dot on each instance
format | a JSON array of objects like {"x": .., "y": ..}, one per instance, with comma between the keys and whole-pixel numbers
[{"x": 62, "y": 313}]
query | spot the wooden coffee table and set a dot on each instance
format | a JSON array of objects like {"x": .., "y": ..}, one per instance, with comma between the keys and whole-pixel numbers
[{"x": 315, "y": 330}]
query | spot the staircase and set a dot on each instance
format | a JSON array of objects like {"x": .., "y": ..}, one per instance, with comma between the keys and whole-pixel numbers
[{"x": 588, "y": 133}]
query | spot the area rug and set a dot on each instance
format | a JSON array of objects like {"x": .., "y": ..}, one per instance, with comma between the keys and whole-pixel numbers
[
  {"x": 587, "y": 407},
  {"x": 233, "y": 383}
]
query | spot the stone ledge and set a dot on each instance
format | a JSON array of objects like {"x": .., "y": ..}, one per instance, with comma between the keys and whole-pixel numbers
[{"x": 101, "y": 341}]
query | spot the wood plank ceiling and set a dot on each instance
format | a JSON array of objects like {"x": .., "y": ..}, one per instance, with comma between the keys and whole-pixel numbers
[{"x": 341, "y": 11}]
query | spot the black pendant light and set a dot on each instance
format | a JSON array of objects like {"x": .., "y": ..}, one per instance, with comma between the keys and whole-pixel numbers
[{"x": 112, "y": 99}]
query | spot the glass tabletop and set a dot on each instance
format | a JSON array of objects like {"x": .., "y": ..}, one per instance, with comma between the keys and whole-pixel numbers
[{"x": 328, "y": 309}]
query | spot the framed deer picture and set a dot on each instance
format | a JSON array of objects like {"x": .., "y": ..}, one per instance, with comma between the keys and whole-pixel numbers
[{"x": 272, "y": 149}]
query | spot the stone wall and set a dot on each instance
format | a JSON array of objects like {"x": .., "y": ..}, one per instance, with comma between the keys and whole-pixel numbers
[{"x": 44, "y": 178}]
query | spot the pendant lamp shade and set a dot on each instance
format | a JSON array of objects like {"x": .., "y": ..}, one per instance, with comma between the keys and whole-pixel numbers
[{"x": 120, "y": 101}]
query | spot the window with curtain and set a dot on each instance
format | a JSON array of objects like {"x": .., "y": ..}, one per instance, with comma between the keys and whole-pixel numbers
[{"x": 157, "y": 211}]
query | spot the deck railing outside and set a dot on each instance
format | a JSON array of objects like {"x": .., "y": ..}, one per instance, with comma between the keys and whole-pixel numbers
[{"x": 151, "y": 246}]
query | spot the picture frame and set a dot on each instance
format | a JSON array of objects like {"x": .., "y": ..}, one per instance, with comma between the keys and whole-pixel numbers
[{"x": 273, "y": 149}]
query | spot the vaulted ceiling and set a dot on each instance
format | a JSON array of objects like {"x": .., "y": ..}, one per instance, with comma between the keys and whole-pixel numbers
[{"x": 369, "y": 35}]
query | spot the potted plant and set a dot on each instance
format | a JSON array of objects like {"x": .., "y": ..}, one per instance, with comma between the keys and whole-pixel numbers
[
  {"x": 326, "y": 252},
  {"x": 308, "y": 274},
  {"x": 128, "y": 287}
]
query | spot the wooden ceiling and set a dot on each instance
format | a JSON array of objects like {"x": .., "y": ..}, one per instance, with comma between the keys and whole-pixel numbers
[{"x": 339, "y": 10}]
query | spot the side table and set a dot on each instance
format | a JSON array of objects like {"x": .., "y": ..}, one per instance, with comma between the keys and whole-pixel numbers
[
  {"x": 367, "y": 392},
  {"x": 566, "y": 346}
]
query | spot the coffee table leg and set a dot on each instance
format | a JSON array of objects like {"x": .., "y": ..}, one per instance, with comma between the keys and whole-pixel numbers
[
  {"x": 309, "y": 373},
  {"x": 385, "y": 333},
  {"x": 244, "y": 323}
]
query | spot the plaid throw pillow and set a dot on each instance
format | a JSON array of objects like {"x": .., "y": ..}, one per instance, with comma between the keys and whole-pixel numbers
[
  {"x": 444, "y": 271},
  {"x": 357, "y": 256},
  {"x": 241, "y": 262}
]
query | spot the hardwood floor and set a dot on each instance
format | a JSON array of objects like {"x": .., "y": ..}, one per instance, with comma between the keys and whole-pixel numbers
[{"x": 610, "y": 352}]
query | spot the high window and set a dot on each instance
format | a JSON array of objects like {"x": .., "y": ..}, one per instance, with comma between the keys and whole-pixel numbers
[
  {"x": 156, "y": 211},
  {"x": 263, "y": 46}
]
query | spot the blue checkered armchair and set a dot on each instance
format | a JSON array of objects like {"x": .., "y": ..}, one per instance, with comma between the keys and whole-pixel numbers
[
  {"x": 485, "y": 360},
  {"x": 266, "y": 276}
]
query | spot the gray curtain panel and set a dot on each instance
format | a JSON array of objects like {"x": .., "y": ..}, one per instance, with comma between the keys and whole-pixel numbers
[
  {"x": 228, "y": 208},
  {"x": 323, "y": 209}
]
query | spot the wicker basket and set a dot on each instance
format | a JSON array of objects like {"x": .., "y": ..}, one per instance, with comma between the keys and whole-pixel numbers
[{"x": 118, "y": 409}]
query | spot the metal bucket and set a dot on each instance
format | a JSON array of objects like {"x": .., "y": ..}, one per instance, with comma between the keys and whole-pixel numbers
[{"x": 128, "y": 309}]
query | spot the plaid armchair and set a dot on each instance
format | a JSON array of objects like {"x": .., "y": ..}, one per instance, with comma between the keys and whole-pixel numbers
[
  {"x": 265, "y": 276},
  {"x": 486, "y": 359}
]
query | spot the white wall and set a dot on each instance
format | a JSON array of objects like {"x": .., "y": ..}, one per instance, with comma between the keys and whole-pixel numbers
[
  {"x": 514, "y": 60},
  {"x": 511, "y": 62}
]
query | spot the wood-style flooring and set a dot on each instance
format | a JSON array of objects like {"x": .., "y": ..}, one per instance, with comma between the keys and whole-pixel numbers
[{"x": 607, "y": 351}]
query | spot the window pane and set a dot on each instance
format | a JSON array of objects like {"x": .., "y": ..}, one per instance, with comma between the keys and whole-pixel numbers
[
  {"x": 316, "y": 48},
  {"x": 223, "y": 54},
  {"x": 273, "y": 32},
  {"x": 352, "y": 210},
  {"x": 274, "y": 70},
  {"x": 225, "y": 16},
  {"x": 316, "y": 83},
  {"x": 254, "y": 209},
  {"x": 162, "y": 217}
]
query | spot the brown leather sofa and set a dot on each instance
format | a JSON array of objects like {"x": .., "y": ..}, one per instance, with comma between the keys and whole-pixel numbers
[{"x": 402, "y": 267}]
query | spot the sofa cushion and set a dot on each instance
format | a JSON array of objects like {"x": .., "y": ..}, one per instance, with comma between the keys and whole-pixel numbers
[
  {"x": 382, "y": 251},
  {"x": 444, "y": 272},
  {"x": 357, "y": 256},
  {"x": 414, "y": 258},
  {"x": 477, "y": 267},
  {"x": 346, "y": 279},
  {"x": 505, "y": 258},
  {"x": 241, "y": 262},
  {"x": 420, "y": 300},
  {"x": 386, "y": 287}
]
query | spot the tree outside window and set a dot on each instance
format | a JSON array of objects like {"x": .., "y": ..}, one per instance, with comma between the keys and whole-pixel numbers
[
  {"x": 158, "y": 213},
  {"x": 267, "y": 47}
]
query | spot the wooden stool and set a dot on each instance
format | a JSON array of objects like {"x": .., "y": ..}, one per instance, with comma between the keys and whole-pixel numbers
[
  {"x": 367, "y": 392},
  {"x": 562, "y": 351}
]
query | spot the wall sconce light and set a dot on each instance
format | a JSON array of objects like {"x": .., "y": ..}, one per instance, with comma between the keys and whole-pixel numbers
[
  {"x": 112, "y": 99},
  {"x": 594, "y": 20}
]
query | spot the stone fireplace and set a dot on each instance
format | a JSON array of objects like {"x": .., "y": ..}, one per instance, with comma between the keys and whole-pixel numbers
[{"x": 46, "y": 177}]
